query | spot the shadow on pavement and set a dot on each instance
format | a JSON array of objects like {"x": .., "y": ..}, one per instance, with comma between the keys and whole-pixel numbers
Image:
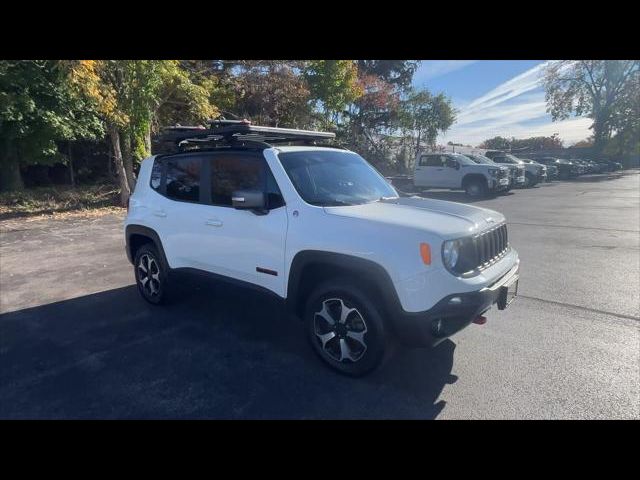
[
  {"x": 215, "y": 353},
  {"x": 600, "y": 177},
  {"x": 459, "y": 196}
]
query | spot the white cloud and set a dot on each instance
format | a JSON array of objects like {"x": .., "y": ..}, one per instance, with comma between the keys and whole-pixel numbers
[
  {"x": 436, "y": 68},
  {"x": 508, "y": 110}
]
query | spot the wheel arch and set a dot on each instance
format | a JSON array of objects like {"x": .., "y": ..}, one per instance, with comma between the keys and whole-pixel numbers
[
  {"x": 310, "y": 267},
  {"x": 138, "y": 235},
  {"x": 473, "y": 176}
]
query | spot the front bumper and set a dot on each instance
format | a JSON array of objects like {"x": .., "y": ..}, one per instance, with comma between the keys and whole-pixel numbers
[
  {"x": 450, "y": 315},
  {"x": 500, "y": 184}
]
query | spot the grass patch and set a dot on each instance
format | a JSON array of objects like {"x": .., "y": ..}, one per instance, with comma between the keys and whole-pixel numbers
[{"x": 48, "y": 200}]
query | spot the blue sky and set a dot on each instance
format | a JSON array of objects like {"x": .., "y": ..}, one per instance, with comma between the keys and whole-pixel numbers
[{"x": 496, "y": 97}]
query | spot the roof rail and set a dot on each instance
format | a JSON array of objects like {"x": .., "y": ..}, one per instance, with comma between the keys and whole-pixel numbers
[{"x": 235, "y": 132}]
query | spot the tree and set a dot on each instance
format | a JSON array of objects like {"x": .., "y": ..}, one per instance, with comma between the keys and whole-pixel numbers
[
  {"x": 496, "y": 143},
  {"x": 270, "y": 92},
  {"x": 536, "y": 143},
  {"x": 333, "y": 83},
  {"x": 426, "y": 115},
  {"x": 397, "y": 73},
  {"x": 589, "y": 87},
  {"x": 37, "y": 109},
  {"x": 626, "y": 122},
  {"x": 129, "y": 95}
]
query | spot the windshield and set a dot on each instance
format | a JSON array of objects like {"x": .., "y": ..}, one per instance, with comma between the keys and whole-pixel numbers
[
  {"x": 481, "y": 159},
  {"x": 463, "y": 159},
  {"x": 329, "y": 178},
  {"x": 514, "y": 159}
]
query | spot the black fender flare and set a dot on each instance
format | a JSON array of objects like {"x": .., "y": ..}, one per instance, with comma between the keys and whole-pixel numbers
[
  {"x": 368, "y": 269},
  {"x": 133, "y": 229}
]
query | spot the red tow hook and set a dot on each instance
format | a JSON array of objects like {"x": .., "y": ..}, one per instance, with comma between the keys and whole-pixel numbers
[{"x": 480, "y": 320}]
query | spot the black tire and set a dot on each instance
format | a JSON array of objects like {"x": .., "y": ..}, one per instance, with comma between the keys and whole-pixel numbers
[
  {"x": 365, "y": 319},
  {"x": 155, "y": 289},
  {"x": 476, "y": 188},
  {"x": 529, "y": 180}
]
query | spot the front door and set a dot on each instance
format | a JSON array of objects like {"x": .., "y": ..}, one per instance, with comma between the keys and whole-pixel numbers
[{"x": 242, "y": 244}]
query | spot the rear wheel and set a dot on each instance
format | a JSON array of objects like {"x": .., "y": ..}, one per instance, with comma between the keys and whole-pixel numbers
[
  {"x": 345, "y": 328},
  {"x": 151, "y": 275}
]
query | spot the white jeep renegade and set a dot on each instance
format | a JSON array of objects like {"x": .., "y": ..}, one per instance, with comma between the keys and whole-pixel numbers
[{"x": 322, "y": 230}]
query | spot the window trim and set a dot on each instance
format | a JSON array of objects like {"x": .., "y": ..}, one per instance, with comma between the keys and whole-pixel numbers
[
  {"x": 164, "y": 165},
  {"x": 206, "y": 172},
  {"x": 426, "y": 157}
]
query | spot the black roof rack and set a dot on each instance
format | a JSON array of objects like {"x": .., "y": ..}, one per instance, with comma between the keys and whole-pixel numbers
[{"x": 226, "y": 133}]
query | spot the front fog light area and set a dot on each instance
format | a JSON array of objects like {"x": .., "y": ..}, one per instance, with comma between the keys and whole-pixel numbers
[{"x": 450, "y": 253}]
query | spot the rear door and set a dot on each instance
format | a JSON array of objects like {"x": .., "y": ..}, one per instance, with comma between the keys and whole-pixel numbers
[
  {"x": 176, "y": 213},
  {"x": 430, "y": 170}
]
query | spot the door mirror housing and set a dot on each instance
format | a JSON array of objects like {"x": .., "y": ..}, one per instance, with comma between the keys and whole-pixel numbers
[
  {"x": 451, "y": 163},
  {"x": 249, "y": 200}
]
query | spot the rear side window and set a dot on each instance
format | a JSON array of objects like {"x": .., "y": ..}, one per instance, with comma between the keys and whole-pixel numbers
[
  {"x": 431, "y": 161},
  {"x": 156, "y": 175},
  {"x": 235, "y": 172},
  {"x": 183, "y": 178}
]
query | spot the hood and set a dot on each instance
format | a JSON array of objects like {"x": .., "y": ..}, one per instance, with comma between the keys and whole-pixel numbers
[{"x": 446, "y": 219}]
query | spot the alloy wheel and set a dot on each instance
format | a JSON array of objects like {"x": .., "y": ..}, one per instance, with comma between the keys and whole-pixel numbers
[
  {"x": 149, "y": 275},
  {"x": 340, "y": 331}
]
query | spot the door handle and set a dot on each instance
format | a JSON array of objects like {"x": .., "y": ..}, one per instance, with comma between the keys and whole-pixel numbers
[
  {"x": 213, "y": 223},
  {"x": 160, "y": 213},
  {"x": 440, "y": 169}
]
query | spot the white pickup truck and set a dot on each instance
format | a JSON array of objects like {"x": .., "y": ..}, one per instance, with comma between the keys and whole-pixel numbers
[{"x": 458, "y": 172}]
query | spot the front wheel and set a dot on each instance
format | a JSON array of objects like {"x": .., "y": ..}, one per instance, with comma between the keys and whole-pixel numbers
[
  {"x": 529, "y": 180},
  {"x": 345, "y": 328},
  {"x": 476, "y": 188}
]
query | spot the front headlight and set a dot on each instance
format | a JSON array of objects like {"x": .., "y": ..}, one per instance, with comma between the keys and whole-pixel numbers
[{"x": 450, "y": 253}]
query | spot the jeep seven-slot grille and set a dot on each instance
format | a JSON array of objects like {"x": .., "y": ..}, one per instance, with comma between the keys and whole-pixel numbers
[
  {"x": 482, "y": 250},
  {"x": 490, "y": 245}
]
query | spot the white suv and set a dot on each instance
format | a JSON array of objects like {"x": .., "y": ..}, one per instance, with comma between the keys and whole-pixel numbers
[
  {"x": 458, "y": 172},
  {"x": 325, "y": 233}
]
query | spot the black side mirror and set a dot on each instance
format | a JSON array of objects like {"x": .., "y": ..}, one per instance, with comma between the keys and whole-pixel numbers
[
  {"x": 249, "y": 200},
  {"x": 453, "y": 164}
]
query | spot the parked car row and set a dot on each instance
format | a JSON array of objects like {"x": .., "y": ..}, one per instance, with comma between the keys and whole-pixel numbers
[{"x": 494, "y": 172}]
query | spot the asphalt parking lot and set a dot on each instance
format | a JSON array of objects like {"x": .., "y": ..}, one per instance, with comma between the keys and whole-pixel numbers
[{"x": 76, "y": 341}]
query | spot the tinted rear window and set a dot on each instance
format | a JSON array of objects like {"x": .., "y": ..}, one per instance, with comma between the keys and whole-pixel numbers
[{"x": 183, "y": 178}]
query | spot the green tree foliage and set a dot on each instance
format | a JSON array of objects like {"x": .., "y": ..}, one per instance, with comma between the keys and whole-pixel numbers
[
  {"x": 397, "y": 73},
  {"x": 38, "y": 108},
  {"x": 130, "y": 95},
  {"x": 333, "y": 83},
  {"x": 519, "y": 144},
  {"x": 625, "y": 122},
  {"x": 594, "y": 88},
  {"x": 425, "y": 116},
  {"x": 496, "y": 143}
]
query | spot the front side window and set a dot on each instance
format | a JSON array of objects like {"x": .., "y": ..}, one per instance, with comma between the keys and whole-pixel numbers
[
  {"x": 235, "y": 172},
  {"x": 329, "y": 178},
  {"x": 183, "y": 178}
]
